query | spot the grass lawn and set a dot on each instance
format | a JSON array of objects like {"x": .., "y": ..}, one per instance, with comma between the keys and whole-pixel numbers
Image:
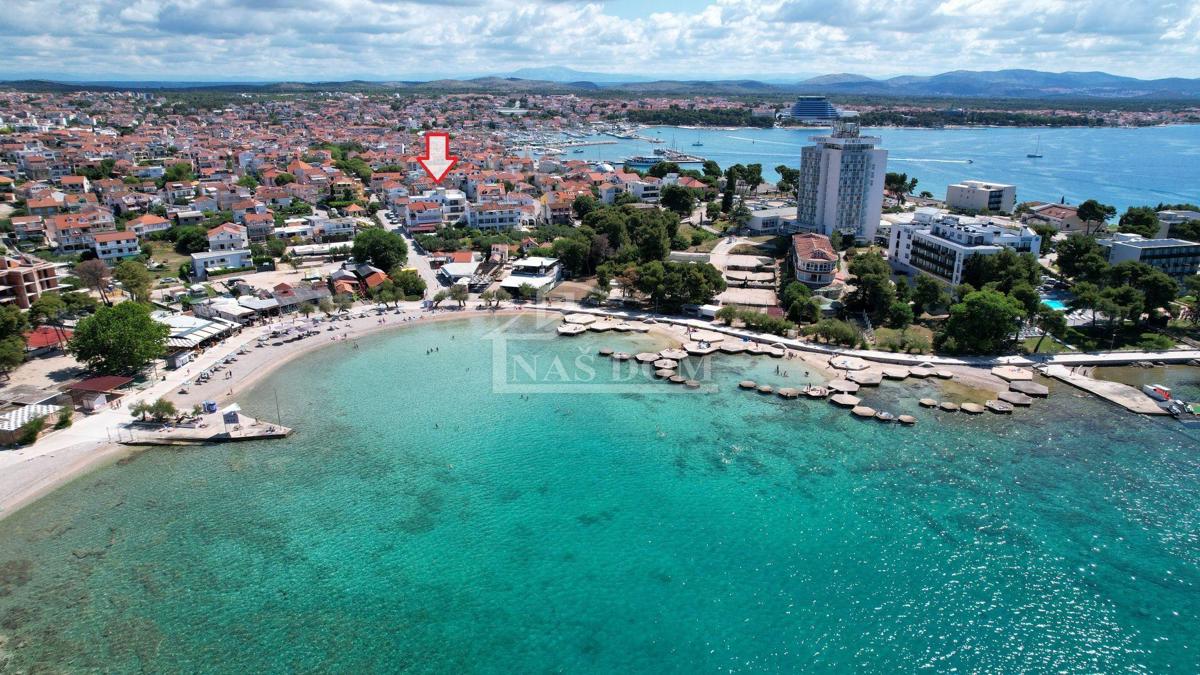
[
  {"x": 1049, "y": 346},
  {"x": 164, "y": 252}
]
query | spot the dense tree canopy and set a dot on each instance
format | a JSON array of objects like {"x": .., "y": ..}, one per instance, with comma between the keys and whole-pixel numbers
[
  {"x": 119, "y": 340},
  {"x": 380, "y": 248},
  {"x": 1141, "y": 220},
  {"x": 983, "y": 323}
]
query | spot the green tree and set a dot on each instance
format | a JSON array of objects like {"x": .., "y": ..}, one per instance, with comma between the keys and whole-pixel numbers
[
  {"x": 711, "y": 169},
  {"x": 899, "y": 184},
  {"x": 162, "y": 409},
  {"x": 190, "y": 239},
  {"x": 1141, "y": 220},
  {"x": 663, "y": 168},
  {"x": 119, "y": 340},
  {"x": 1158, "y": 288},
  {"x": 789, "y": 178},
  {"x": 727, "y": 314},
  {"x": 1095, "y": 215},
  {"x": 1081, "y": 257},
  {"x": 380, "y": 248},
  {"x": 678, "y": 199},
  {"x": 48, "y": 310},
  {"x": 135, "y": 278},
  {"x": 440, "y": 297},
  {"x": 583, "y": 205},
  {"x": 409, "y": 283},
  {"x": 13, "y": 323},
  {"x": 307, "y": 308},
  {"x": 983, "y": 323},
  {"x": 899, "y": 315},
  {"x": 459, "y": 294}
]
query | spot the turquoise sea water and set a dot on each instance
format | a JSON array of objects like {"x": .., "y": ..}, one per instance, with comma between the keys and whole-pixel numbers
[
  {"x": 418, "y": 520},
  {"x": 1123, "y": 167}
]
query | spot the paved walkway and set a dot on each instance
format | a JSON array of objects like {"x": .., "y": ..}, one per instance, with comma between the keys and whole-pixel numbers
[{"x": 1077, "y": 359}]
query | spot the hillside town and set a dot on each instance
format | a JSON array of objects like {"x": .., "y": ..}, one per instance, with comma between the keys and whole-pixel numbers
[{"x": 216, "y": 215}]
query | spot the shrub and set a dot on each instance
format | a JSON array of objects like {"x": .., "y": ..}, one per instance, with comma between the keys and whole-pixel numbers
[
  {"x": 64, "y": 418},
  {"x": 1155, "y": 342},
  {"x": 29, "y": 432}
]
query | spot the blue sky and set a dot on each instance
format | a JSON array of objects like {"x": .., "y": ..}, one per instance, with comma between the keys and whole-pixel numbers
[{"x": 221, "y": 40}]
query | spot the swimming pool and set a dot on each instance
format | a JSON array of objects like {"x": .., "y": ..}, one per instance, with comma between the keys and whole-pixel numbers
[{"x": 1056, "y": 300}]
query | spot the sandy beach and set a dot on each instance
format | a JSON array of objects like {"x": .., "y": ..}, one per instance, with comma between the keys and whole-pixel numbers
[{"x": 29, "y": 473}]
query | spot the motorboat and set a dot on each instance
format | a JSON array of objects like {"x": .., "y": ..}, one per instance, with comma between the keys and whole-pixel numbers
[{"x": 1157, "y": 392}]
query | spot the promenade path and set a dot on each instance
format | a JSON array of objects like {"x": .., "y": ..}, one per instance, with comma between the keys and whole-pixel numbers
[{"x": 1113, "y": 358}]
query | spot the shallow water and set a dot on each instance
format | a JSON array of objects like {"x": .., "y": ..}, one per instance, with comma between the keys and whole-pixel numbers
[{"x": 419, "y": 520}]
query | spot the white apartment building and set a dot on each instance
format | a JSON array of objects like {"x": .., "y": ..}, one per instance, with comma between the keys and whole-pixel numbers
[
  {"x": 939, "y": 244},
  {"x": 203, "y": 263},
  {"x": 841, "y": 183},
  {"x": 113, "y": 247},
  {"x": 981, "y": 196},
  {"x": 1177, "y": 258},
  {"x": 495, "y": 216}
]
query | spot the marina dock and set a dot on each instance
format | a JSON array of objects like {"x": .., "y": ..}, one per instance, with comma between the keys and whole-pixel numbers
[{"x": 1114, "y": 392}]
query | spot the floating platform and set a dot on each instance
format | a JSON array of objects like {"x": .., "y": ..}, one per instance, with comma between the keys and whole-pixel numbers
[
  {"x": 1013, "y": 374},
  {"x": 907, "y": 419},
  {"x": 816, "y": 392},
  {"x": 845, "y": 400},
  {"x": 862, "y": 411},
  {"x": 1030, "y": 388},
  {"x": 949, "y": 406},
  {"x": 571, "y": 329},
  {"x": 694, "y": 349},
  {"x": 999, "y": 407},
  {"x": 668, "y": 364},
  {"x": 580, "y": 319},
  {"x": 844, "y": 386},
  {"x": 1015, "y": 398},
  {"x": 748, "y": 384},
  {"x": 732, "y": 347},
  {"x": 673, "y": 354},
  {"x": 789, "y": 392},
  {"x": 972, "y": 408},
  {"x": 865, "y": 378},
  {"x": 895, "y": 373},
  {"x": 765, "y": 389},
  {"x": 928, "y": 403},
  {"x": 663, "y": 373},
  {"x": 848, "y": 363},
  {"x": 646, "y": 357},
  {"x": 677, "y": 379}
]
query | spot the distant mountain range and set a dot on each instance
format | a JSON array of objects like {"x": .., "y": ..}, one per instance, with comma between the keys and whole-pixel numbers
[{"x": 1012, "y": 84}]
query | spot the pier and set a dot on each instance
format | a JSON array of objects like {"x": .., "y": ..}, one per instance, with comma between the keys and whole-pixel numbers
[
  {"x": 1123, "y": 395},
  {"x": 210, "y": 428}
]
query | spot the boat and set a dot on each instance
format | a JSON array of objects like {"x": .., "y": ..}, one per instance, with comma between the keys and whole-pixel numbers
[
  {"x": 1188, "y": 414},
  {"x": 699, "y": 143},
  {"x": 1037, "y": 149},
  {"x": 578, "y": 151},
  {"x": 1157, "y": 392}
]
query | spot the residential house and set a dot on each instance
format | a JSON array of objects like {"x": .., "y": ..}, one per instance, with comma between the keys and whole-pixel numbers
[{"x": 113, "y": 247}]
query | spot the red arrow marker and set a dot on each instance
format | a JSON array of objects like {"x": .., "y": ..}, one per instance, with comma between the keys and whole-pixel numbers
[{"x": 436, "y": 160}]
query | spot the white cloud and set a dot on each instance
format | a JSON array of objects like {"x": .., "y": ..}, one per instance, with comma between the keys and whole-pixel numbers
[{"x": 406, "y": 39}]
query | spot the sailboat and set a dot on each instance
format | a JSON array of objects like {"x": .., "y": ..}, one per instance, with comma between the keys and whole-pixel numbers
[
  {"x": 1037, "y": 150},
  {"x": 698, "y": 143}
]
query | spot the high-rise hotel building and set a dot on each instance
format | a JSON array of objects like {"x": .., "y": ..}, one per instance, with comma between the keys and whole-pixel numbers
[{"x": 841, "y": 183}]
